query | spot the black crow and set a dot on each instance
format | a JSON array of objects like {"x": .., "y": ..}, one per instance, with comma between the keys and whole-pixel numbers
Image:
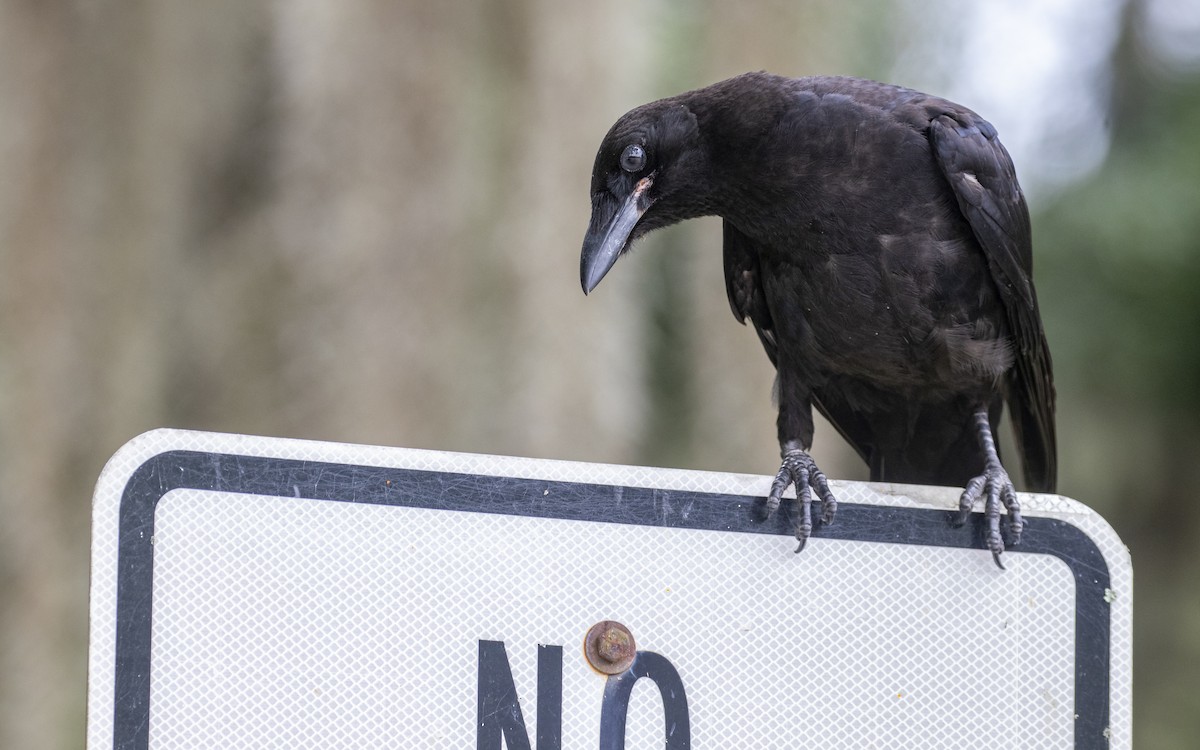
[{"x": 878, "y": 241}]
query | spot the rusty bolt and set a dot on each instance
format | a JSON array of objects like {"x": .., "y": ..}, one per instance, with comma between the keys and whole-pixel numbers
[
  {"x": 609, "y": 647},
  {"x": 614, "y": 645}
]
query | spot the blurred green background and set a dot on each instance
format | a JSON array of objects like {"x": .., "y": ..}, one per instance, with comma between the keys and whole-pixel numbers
[{"x": 361, "y": 222}]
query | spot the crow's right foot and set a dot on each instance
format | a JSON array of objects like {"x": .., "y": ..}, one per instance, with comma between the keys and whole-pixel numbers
[{"x": 799, "y": 469}]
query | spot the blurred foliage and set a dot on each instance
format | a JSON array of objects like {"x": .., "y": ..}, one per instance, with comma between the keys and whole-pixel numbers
[{"x": 1118, "y": 269}]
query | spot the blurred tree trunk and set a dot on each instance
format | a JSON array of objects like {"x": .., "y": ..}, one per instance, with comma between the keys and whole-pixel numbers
[
  {"x": 42, "y": 579},
  {"x": 356, "y": 223},
  {"x": 122, "y": 125},
  {"x": 426, "y": 209}
]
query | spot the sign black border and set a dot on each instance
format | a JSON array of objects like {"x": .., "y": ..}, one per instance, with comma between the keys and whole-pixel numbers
[{"x": 279, "y": 477}]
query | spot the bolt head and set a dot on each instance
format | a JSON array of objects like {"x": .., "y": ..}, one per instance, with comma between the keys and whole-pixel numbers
[
  {"x": 614, "y": 644},
  {"x": 609, "y": 647}
]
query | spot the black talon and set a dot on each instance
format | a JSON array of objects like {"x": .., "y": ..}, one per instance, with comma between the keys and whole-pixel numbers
[
  {"x": 966, "y": 502},
  {"x": 799, "y": 469},
  {"x": 1016, "y": 524}
]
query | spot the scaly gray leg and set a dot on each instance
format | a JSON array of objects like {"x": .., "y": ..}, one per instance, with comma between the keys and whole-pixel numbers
[{"x": 996, "y": 488}]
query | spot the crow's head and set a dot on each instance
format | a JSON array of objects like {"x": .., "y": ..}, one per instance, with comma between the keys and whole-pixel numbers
[{"x": 650, "y": 171}]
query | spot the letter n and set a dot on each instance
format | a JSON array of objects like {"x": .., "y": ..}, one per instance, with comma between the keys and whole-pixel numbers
[{"x": 498, "y": 709}]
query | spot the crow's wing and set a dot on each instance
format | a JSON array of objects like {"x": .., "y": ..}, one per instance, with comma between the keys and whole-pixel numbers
[
  {"x": 984, "y": 182},
  {"x": 747, "y": 298},
  {"x": 743, "y": 282}
]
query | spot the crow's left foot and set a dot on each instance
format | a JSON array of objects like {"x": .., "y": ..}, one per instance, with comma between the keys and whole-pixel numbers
[
  {"x": 799, "y": 469},
  {"x": 996, "y": 488}
]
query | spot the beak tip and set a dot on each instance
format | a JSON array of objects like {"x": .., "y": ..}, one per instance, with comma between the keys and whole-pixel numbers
[{"x": 592, "y": 272}]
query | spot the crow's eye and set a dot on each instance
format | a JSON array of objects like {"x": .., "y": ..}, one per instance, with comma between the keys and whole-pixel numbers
[{"x": 633, "y": 158}]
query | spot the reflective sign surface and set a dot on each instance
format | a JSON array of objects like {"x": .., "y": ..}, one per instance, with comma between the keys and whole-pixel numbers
[{"x": 252, "y": 592}]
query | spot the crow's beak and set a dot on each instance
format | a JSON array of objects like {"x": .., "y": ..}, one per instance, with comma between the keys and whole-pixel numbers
[{"x": 608, "y": 232}]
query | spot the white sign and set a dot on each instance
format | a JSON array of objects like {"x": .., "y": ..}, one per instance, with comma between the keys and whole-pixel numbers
[{"x": 255, "y": 592}]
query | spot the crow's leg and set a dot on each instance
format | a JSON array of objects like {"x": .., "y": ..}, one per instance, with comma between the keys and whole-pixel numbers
[
  {"x": 994, "y": 486},
  {"x": 799, "y": 469}
]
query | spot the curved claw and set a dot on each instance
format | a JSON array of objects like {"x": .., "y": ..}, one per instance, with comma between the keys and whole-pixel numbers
[
  {"x": 966, "y": 502},
  {"x": 799, "y": 469},
  {"x": 995, "y": 489}
]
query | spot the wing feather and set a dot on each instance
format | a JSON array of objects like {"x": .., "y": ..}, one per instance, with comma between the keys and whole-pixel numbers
[
  {"x": 981, "y": 174},
  {"x": 747, "y": 298},
  {"x": 743, "y": 282}
]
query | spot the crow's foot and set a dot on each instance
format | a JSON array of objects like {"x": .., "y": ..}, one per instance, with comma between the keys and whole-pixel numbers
[
  {"x": 799, "y": 469},
  {"x": 995, "y": 487}
]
